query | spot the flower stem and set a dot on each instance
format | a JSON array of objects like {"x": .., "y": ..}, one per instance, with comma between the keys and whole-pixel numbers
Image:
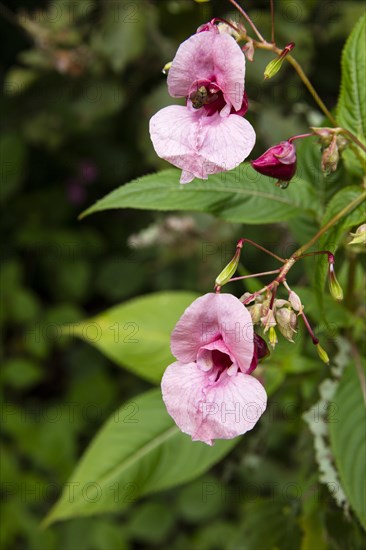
[
  {"x": 272, "y": 23},
  {"x": 242, "y": 241},
  {"x": 254, "y": 275},
  {"x": 311, "y": 88},
  {"x": 354, "y": 139},
  {"x": 300, "y": 136},
  {"x": 351, "y": 206},
  {"x": 247, "y": 18},
  {"x": 310, "y": 330}
]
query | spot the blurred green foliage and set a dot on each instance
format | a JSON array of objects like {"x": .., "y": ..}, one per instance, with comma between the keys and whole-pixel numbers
[{"x": 81, "y": 80}]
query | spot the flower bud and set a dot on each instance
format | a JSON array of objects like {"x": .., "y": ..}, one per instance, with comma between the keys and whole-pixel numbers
[
  {"x": 268, "y": 321},
  {"x": 228, "y": 271},
  {"x": 260, "y": 352},
  {"x": 277, "y": 162},
  {"x": 274, "y": 66},
  {"x": 166, "y": 67},
  {"x": 255, "y": 313},
  {"x": 246, "y": 297},
  {"x": 330, "y": 157},
  {"x": 295, "y": 301},
  {"x": 224, "y": 28},
  {"x": 334, "y": 286},
  {"x": 359, "y": 237},
  {"x": 322, "y": 354},
  {"x": 273, "y": 340},
  {"x": 286, "y": 319},
  {"x": 279, "y": 302}
]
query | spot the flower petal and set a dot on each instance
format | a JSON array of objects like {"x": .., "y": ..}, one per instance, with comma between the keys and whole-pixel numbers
[
  {"x": 209, "y": 56},
  {"x": 199, "y": 144},
  {"x": 209, "y": 318},
  {"x": 207, "y": 411}
]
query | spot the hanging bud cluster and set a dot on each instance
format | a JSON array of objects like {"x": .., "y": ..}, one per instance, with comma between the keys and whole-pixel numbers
[
  {"x": 271, "y": 314},
  {"x": 332, "y": 144},
  {"x": 281, "y": 314}
]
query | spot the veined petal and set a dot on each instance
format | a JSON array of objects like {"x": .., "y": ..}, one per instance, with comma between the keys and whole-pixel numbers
[
  {"x": 212, "y": 317},
  {"x": 200, "y": 145},
  {"x": 209, "y": 56},
  {"x": 182, "y": 386},
  {"x": 207, "y": 411}
]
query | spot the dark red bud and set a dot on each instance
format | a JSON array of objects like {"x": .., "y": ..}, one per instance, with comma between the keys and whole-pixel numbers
[
  {"x": 278, "y": 161},
  {"x": 260, "y": 352}
]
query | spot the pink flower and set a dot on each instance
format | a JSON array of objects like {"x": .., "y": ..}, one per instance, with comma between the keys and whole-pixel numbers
[
  {"x": 208, "y": 391},
  {"x": 278, "y": 161},
  {"x": 209, "y": 134}
]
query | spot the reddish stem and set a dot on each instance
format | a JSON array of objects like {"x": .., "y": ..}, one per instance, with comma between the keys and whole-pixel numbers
[
  {"x": 246, "y": 16},
  {"x": 300, "y": 136},
  {"x": 213, "y": 21},
  {"x": 272, "y": 23},
  {"x": 254, "y": 275},
  {"x": 242, "y": 241},
  {"x": 310, "y": 330}
]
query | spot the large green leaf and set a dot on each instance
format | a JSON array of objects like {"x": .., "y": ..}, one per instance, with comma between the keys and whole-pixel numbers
[
  {"x": 136, "y": 334},
  {"x": 347, "y": 436},
  {"x": 241, "y": 195},
  {"x": 138, "y": 451},
  {"x": 351, "y": 109},
  {"x": 332, "y": 238}
]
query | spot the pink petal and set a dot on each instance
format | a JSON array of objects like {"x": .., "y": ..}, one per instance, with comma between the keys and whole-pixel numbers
[
  {"x": 199, "y": 144},
  {"x": 208, "y": 412},
  {"x": 209, "y": 318},
  {"x": 209, "y": 56}
]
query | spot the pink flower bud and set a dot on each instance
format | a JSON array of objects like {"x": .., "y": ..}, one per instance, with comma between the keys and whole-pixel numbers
[{"x": 278, "y": 161}]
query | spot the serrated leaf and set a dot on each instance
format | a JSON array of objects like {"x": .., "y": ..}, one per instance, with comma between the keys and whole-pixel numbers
[
  {"x": 136, "y": 334},
  {"x": 351, "y": 109},
  {"x": 347, "y": 436},
  {"x": 241, "y": 195},
  {"x": 138, "y": 451}
]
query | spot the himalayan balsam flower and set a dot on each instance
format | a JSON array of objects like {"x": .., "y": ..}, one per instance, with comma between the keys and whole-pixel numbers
[
  {"x": 278, "y": 161},
  {"x": 209, "y": 134},
  {"x": 208, "y": 391}
]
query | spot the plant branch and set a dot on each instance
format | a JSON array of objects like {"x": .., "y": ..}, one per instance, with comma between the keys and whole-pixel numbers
[
  {"x": 354, "y": 139},
  {"x": 247, "y": 18},
  {"x": 351, "y": 206},
  {"x": 296, "y": 65}
]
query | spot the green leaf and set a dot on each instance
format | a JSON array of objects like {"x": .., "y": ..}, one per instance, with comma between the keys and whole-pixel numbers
[
  {"x": 136, "y": 334},
  {"x": 241, "y": 195},
  {"x": 281, "y": 529},
  {"x": 351, "y": 109},
  {"x": 347, "y": 436},
  {"x": 332, "y": 238},
  {"x": 137, "y": 452}
]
